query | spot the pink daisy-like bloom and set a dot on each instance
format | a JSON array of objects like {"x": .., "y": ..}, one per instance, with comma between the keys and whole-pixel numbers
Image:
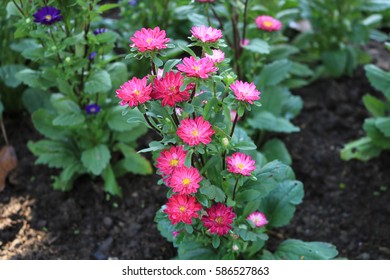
[
  {"x": 201, "y": 68},
  {"x": 219, "y": 219},
  {"x": 217, "y": 57},
  {"x": 240, "y": 163},
  {"x": 149, "y": 39},
  {"x": 245, "y": 91},
  {"x": 258, "y": 219},
  {"x": 168, "y": 89},
  {"x": 206, "y": 34},
  {"x": 182, "y": 208},
  {"x": 171, "y": 159},
  {"x": 195, "y": 131},
  {"x": 185, "y": 180},
  {"x": 134, "y": 92},
  {"x": 268, "y": 23}
]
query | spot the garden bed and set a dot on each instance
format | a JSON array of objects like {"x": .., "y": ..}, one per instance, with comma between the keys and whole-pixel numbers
[{"x": 346, "y": 203}]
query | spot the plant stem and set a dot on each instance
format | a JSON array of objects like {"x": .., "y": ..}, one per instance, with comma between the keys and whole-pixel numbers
[
  {"x": 4, "y": 132},
  {"x": 235, "y": 188},
  {"x": 19, "y": 8},
  {"x": 152, "y": 125},
  {"x": 245, "y": 24},
  {"x": 234, "y": 124},
  {"x": 175, "y": 118},
  {"x": 221, "y": 25}
]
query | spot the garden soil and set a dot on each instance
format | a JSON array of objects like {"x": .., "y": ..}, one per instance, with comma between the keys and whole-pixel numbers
[{"x": 346, "y": 203}]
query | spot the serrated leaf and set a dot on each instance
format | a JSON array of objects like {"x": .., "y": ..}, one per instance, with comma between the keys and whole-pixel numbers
[
  {"x": 258, "y": 46},
  {"x": 275, "y": 149},
  {"x": 270, "y": 122},
  {"x": 96, "y": 159},
  {"x": 362, "y": 149},
  {"x": 376, "y": 107},
  {"x": 69, "y": 119},
  {"x": 110, "y": 183},
  {"x": 383, "y": 124},
  {"x": 274, "y": 73},
  {"x": 8, "y": 72},
  {"x": 379, "y": 79}
]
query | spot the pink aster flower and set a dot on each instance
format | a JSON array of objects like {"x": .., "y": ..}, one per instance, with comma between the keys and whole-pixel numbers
[
  {"x": 268, "y": 23},
  {"x": 185, "y": 180},
  {"x": 134, "y": 92},
  {"x": 206, "y": 34},
  {"x": 240, "y": 163},
  {"x": 182, "y": 208},
  {"x": 201, "y": 68},
  {"x": 168, "y": 89},
  {"x": 245, "y": 91},
  {"x": 219, "y": 219},
  {"x": 171, "y": 159},
  {"x": 149, "y": 39},
  {"x": 258, "y": 219},
  {"x": 195, "y": 131},
  {"x": 217, "y": 57}
]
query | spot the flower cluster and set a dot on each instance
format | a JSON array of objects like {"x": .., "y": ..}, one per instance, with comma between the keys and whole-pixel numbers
[{"x": 180, "y": 118}]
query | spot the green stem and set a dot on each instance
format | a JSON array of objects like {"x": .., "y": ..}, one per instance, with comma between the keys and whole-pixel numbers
[
  {"x": 152, "y": 125},
  {"x": 235, "y": 188},
  {"x": 234, "y": 124}
]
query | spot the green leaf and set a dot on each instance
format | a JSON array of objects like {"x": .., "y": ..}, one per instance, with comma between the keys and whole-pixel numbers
[
  {"x": 376, "y": 107},
  {"x": 270, "y": 122},
  {"x": 69, "y": 119},
  {"x": 379, "y": 79},
  {"x": 279, "y": 205},
  {"x": 215, "y": 241},
  {"x": 106, "y": 7},
  {"x": 192, "y": 250},
  {"x": 377, "y": 136},
  {"x": 257, "y": 46},
  {"x": 116, "y": 121},
  {"x": 53, "y": 153},
  {"x": 182, "y": 46},
  {"x": 168, "y": 66},
  {"x": 293, "y": 249},
  {"x": 383, "y": 124},
  {"x": 362, "y": 149},
  {"x": 107, "y": 37},
  {"x": 118, "y": 74},
  {"x": 96, "y": 159},
  {"x": 110, "y": 183},
  {"x": 275, "y": 149},
  {"x": 43, "y": 122},
  {"x": 8, "y": 72},
  {"x": 31, "y": 78},
  {"x": 301, "y": 70},
  {"x": 335, "y": 61},
  {"x": 99, "y": 81},
  {"x": 134, "y": 163},
  {"x": 245, "y": 146},
  {"x": 34, "y": 99},
  {"x": 274, "y": 73}
]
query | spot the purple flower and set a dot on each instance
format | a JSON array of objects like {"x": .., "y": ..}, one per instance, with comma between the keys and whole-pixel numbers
[
  {"x": 92, "y": 55},
  {"x": 133, "y": 2},
  {"x": 99, "y": 30},
  {"x": 92, "y": 109},
  {"x": 47, "y": 15}
]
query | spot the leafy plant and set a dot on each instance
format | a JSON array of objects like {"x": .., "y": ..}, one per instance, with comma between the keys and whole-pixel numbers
[
  {"x": 223, "y": 196},
  {"x": 377, "y": 128},
  {"x": 70, "y": 92}
]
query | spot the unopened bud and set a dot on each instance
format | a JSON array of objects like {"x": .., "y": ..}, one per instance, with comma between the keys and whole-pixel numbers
[
  {"x": 28, "y": 20},
  {"x": 235, "y": 247},
  {"x": 53, "y": 48},
  {"x": 225, "y": 142},
  {"x": 67, "y": 59}
]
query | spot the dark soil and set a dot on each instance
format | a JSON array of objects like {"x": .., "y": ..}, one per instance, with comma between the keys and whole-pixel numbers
[{"x": 346, "y": 203}]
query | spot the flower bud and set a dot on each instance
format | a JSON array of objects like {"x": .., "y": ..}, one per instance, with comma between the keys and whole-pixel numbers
[
  {"x": 28, "y": 20},
  {"x": 67, "y": 59},
  {"x": 225, "y": 142},
  {"x": 235, "y": 247}
]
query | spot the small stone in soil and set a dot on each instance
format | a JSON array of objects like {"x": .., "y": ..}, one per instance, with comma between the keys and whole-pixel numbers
[{"x": 107, "y": 222}]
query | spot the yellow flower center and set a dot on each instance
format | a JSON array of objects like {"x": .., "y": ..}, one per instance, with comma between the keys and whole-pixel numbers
[
  {"x": 48, "y": 17},
  {"x": 219, "y": 220},
  {"x": 186, "y": 181},
  {"x": 267, "y": 23},
  {"x": 240, "y": 166},
  {"x": 174, "y": 162},
  {"x": 195, "y": 132},
  {"x": 182, "y": 209},
  {"x": 137, "y": 92},
  {"x": 196, "y": 68},
  {"x": 149, "y": 40}
]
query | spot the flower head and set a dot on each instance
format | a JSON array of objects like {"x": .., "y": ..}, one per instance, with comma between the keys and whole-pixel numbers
[
  {"x": 134, "y": 92},
  {"x": 149, "y": 39},
  {"x": 219, "y": 219},
  {"x": 244, "y": 42},
  {"x": 195, "y": 131},
  {"x": 182, "y": 208},
  {"x": 240, "y": 163},
  {"x": 217, "y": 57},
  {"x": 171, "y": 159},
  {"x": 133, "y": 2},
  {"x": 268, "y": 23},
  {"x": 201, "y": 68},
  {"x": 47, "y": 15},
  {"x": 92, "y": 109},
  {"x": 245, "y": 91},
  {"x": 98, "y": 31},
  {"x": 92, "y": 55},
  {"x": 258, "y": 219},
  {"x": 185, "y": 180},
  {"x": 206, "y": 34},
  {"x": 167, "y": 88}
]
